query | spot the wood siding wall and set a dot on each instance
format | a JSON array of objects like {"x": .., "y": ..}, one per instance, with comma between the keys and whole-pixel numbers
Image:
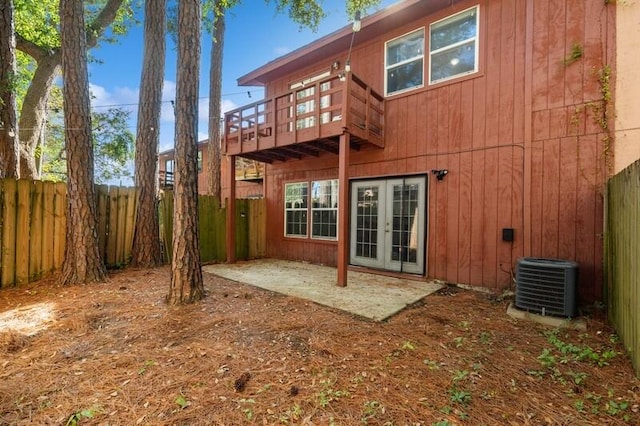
[
  {"x": 33, "y": 228},
  {"x": 519, "y": 139},
  {"x": 622, "y": 254}
]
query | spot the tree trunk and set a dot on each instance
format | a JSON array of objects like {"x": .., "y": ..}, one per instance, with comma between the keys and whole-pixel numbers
[
  {"x": 215, "y": 98},
  {"x": 34, "y": 112},
  {"x": 9, "y": 153},
  {"x": 82, "y": 262},
  {"x": 146, "y": 241},
  {"x": 186, "y": 270}
]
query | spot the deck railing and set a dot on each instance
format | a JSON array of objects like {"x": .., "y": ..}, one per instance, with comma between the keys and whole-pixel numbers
[{"x": 318, "y": 110}]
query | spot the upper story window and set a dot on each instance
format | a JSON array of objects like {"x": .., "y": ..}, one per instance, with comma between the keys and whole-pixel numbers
[
  {"x": 199, "y": 161},
  {"x": 404, "y": 62},
  {"x": 454, "y": 46}
]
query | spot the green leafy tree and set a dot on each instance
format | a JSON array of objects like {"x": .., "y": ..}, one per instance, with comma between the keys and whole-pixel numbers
[
  {"x": 38, "y": 38},
  {"x": 113, "y": 146}
]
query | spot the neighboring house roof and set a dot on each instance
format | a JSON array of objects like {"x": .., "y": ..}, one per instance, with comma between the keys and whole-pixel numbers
[{"x": 378, "y": 23}]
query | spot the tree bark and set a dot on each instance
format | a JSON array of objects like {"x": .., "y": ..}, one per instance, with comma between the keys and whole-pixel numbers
[
  {"x": 34, "y": 106},
  {"x": 146, "y": 241},
  {"x": 215, "y": 98},
  {"x": 186, "y": 270},
  {"x": 82, "y": 263},
  {"x": 9, "y": 144}
]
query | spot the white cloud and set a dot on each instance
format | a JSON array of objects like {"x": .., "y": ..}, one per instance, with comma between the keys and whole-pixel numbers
[{"x": 228, "y": 105}]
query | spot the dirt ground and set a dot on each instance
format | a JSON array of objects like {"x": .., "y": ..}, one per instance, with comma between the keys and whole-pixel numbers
[{"x": 115, "y": 353}]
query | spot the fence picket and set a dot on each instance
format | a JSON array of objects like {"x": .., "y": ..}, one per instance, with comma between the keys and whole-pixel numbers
[
  {"x": 9, "y": 232},
  {"x": 36, "y": 231},
  {"x": 33, "y": 227}
]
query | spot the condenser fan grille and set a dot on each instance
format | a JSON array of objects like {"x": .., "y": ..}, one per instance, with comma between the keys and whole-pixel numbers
[{"x": 546, "y": 286}]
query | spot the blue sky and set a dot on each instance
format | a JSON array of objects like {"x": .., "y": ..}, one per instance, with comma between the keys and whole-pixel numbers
[{"x": 255, "y": 35}]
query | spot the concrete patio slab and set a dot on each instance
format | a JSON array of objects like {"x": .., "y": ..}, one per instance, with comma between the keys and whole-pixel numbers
[{"x": 376, "y": 297}]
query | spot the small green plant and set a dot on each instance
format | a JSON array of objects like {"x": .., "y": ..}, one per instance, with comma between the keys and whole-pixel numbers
[
  {"x": 442, "y": 423},
  {"x": 246, "y": 406},
  {"x": 485, "y": 338},
  {"x": 546, "y": 358},
  {"x": 408, "y": 346},
  {"x": 292, "y": 414},
  {"x": 148, "y": 363},
  {"x": 459, "y": 341},
  {"x": 614, "y": 408},
  {"x": 431, "y": 364},
  {"x": 458, "y": 396},
  {"x": 464, "y": 325},
  {"x": 76, "y": 417},
  {"x": 575, "y": 54},
  {"x": 328, "y": 394},
  {"x": 459, "y": 375},
  {"x": 579, "y": 405},
  {"x": 370, "y": 410},
  {"x": 578, "y": 378},
  {"x": 181, "y": 401}
]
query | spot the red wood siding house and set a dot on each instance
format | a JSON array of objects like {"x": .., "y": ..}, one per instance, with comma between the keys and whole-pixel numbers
[{"x": 503, "y": 95}]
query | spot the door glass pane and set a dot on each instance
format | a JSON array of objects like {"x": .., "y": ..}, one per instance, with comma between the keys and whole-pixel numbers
[
  {"x": 367, "y": 222},
  {"x": 404, "y": 238}
]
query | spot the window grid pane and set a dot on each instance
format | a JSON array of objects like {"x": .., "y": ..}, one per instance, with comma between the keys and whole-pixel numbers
[
  {"x": 453, "y": 45},
  {"x": 405, "y": 62},
  {"x": 367, "y": 222},
  {"x": 324, "y": 208},
  {"x": 296, "y": 205}
]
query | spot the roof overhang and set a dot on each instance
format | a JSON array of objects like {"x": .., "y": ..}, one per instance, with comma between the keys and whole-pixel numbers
[{"x": 337, "y": 42}]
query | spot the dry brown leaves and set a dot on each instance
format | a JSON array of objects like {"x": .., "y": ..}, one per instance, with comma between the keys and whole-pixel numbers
[{"x": 117, "y": 354}]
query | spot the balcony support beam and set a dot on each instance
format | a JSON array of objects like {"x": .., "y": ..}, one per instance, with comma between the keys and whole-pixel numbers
[{"x": 343, "y": 209}]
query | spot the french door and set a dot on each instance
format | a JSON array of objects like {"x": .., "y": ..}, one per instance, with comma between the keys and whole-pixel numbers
[{"x": 388, "y": 218}]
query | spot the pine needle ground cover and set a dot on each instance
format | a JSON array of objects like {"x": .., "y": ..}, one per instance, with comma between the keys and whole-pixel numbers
[{"x": 115, "y": 353}]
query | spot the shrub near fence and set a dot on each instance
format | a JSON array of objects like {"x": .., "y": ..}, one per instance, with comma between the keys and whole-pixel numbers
[
  {"x": 33, "y": 227},
  {"x": 622, "y": 251}
]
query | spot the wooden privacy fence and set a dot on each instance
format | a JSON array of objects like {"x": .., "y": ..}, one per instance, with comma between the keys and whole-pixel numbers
[
  {"x": 250, "y": 228},
  {"x": 622, "y": 251},
  {"x": 33, "y": 227}
]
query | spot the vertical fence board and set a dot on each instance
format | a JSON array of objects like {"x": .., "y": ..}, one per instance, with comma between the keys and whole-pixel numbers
[
  {"x": 121, "y": 201},
  {"x": 132, "y": 200},
  {"x": 102, "y": 209},
  {"x": 242, "y": 229},
  {"x": 206, "y": 228},
  {"x": 60, "y": 224},
  {"x": 167, "y": 224},
  {"x": 112, "y": 227},
  {"x": 622, "y": 251},
  {"x": 9, "y": 233},
  {"x": 48, "y": 218},
  {"x": 23, "y": 217},
  {"x": 36, "y": 230}
]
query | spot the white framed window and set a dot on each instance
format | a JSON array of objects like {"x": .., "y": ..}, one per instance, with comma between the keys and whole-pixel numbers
[
  {"x": 404, "y": 62},
  {"x": 324, "y": 209},
  {"x": 296, "y": 204},
  {"x": 453, "y": 46},
  {"x": 199, "y": 161}
]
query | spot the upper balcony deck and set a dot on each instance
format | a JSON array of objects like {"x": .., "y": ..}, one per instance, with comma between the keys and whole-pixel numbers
[{"x": 306, "y": 120}]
